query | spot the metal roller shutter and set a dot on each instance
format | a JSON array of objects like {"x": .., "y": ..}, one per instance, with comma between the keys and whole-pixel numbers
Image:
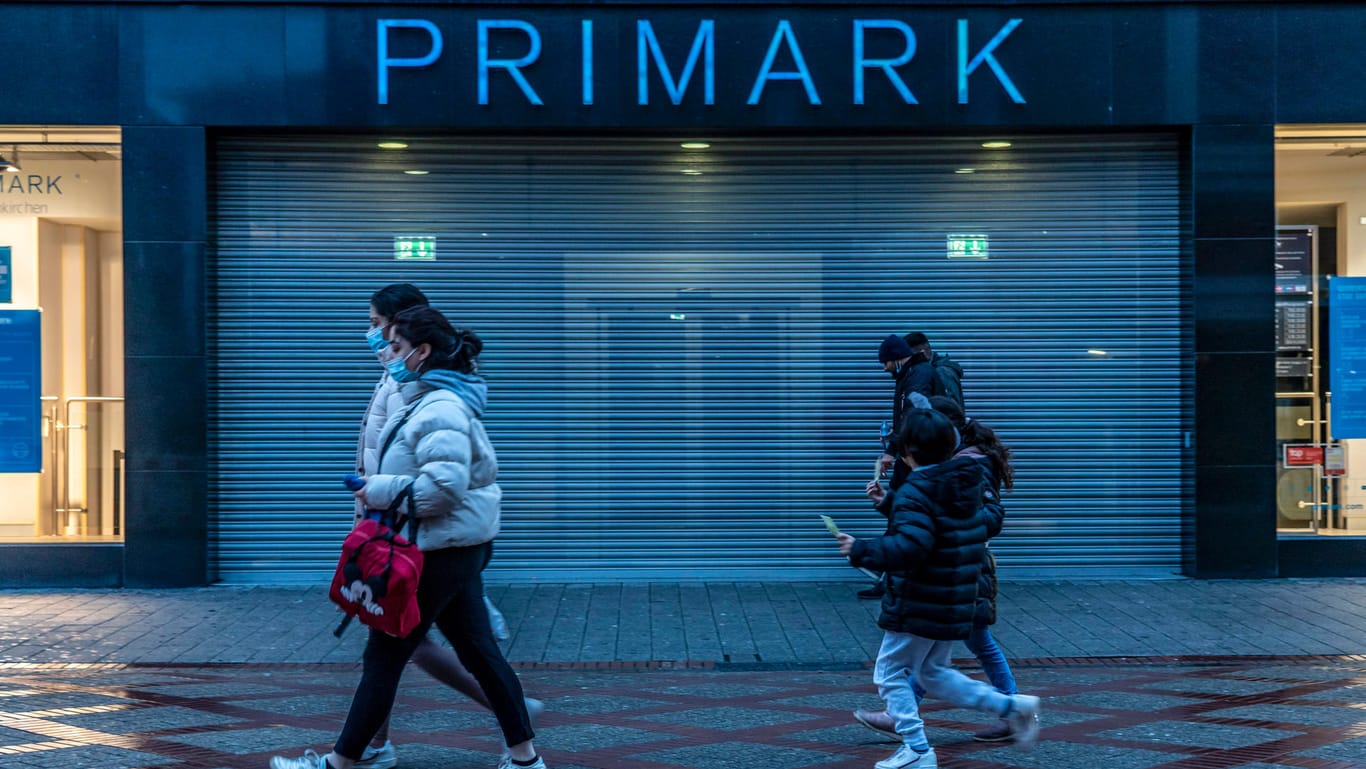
[{"x": 681, "y": 344}]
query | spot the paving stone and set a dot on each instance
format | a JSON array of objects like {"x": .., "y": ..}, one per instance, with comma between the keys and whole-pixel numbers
[
  {"x": 429, "y": 721},
  {"x": 740, "y": 755},
  {"x": 96, "y": 757},
  {"x": 1111, "y": 700},
  {"x": 218, "y": 690},
  {"x": 1196, "y": 734},
  {"x": 1314, "y": 715},
  {"x": 1351, "y": 751},
  {"x": 1051, "y": 755},
  {"x": 17, "y": 737},
  {"x": 727, "y": 719},
  {"x": 1355, "y": 694},
  {"x": 583, "y": 704},
  {"x": 242, "y": 741},
  {"x": 308, "y": 705},
  {"x": 145, "y": 720},
  {"x": 580, "y": 737},
  {"x": 717, "y": 691},
  {"x": 1226, "y": 686}
]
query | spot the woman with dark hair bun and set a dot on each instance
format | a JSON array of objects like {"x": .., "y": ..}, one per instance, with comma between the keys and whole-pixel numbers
[{"x": 435, "y": 447}]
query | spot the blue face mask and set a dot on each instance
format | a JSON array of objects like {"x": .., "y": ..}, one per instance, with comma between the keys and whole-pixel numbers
[
  {"x": 398, "y": 369},
  {"x": 375, "y": 338}
]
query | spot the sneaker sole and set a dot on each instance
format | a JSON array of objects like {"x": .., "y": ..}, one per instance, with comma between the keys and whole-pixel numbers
[{"x": 879, "y": 730}]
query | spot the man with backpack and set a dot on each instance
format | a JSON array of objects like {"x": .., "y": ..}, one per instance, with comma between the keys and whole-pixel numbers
[
  {"x": 945, "y": 376},
  {"x": 920, "y": 374}
]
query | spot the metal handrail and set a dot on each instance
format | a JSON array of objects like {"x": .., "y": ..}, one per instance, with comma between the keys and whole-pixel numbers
[{"x": 65, "y": 471}]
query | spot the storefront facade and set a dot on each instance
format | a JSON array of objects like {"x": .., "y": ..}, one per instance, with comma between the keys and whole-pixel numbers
[{"x": 682, "y": 229}]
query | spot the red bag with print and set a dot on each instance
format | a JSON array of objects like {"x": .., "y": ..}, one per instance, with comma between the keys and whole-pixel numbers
[{"x": 377, "y": 575}]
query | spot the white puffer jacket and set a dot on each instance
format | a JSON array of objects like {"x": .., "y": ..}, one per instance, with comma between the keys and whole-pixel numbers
[
  {"x": 376, "y": 414},
  {"x": 442, "y": 451}
]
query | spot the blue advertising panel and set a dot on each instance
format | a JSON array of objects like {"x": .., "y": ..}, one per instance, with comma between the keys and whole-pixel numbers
[
  {"x": 21, "y": 381},
  {"x": 1347, "y": 332},
  {"x": 6, "y": 278}
]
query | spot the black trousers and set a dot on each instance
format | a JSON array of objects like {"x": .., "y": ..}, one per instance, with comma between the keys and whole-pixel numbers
[{"x": 450, "y": 595}]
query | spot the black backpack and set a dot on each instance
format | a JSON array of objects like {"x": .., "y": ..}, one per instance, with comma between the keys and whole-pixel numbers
[{"x": 947, "y": 381}]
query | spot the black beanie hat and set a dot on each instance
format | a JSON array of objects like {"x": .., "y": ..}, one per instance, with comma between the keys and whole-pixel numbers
[{"x": 893, "y": 348}]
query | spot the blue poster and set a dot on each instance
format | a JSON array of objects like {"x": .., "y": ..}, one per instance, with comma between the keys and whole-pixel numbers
[
  {"x": 21, "y": 382},
  {"x": 1347, "y": 346},
  {"x": 6, "y": 276}
]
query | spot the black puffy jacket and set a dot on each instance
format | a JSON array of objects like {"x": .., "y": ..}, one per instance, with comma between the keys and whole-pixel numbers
[
  {"x": 932, "y": 552},
  {"x": 996, "y": 516}
]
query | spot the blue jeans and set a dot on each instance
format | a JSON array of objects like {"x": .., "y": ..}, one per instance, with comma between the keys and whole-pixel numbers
[{"x": 990, "y": 657}]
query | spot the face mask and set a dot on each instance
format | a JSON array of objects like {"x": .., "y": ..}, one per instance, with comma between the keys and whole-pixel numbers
[
  {"x": 399, "y": 371},
  {"x": 895, "y": 373},
  {"x": 375, "y": 338}
]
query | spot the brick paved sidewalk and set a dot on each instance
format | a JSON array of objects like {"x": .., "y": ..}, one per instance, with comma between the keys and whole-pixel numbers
[
  {"x": 1307, "y": 715},
  {"x": 771, "y": 624}
]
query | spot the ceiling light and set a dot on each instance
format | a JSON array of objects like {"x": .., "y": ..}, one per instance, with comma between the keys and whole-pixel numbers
[
  {"x": 966, "y": 171},
  {"x": 392, "y": 145},
  {"x": 416, "y": 172},
  {"x": 1097, "y": 353},
  {"x": 996, "y": 145},
  {"x": 9, "y": 163},
  {"x": 691, "y": 172},
  {"x": 694, "y": 145}
]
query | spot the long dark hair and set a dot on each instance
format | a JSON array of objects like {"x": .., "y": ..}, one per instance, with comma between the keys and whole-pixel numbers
[
  {"x": 456, "y": 349},
  {"x": 979, "y": 436},
  {"x": 397, "y": 297}
]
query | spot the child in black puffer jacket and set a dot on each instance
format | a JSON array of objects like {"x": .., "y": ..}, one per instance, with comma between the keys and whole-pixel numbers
[{"x": 932, "y": 554}]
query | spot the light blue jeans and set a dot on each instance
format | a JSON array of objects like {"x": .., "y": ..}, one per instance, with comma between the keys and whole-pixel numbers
[
  {"x": 904, "y": 657},
  {"x": 990, "y": 657}
]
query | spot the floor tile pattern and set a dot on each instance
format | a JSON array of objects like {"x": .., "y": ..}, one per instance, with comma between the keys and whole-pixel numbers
[{"x": 1134, "y": 715}]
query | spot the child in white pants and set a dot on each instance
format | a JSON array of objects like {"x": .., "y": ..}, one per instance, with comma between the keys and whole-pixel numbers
[{"x": 932, "y": 554}]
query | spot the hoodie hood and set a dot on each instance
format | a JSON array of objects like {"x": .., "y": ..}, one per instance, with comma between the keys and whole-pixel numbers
[
  {"x": 954, "y": 486},
  {"x": 471, "y": 388}
]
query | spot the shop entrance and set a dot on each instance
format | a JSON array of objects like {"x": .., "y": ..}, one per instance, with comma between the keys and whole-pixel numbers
[
  {"x": 1321, "y": 218},
  {"x": 61, "y": 254}
]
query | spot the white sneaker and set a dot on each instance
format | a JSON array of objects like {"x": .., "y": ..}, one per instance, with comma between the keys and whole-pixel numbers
[
  {"x": 1024, "y": 720},
  {"x": 905, "y": 757},
  {"x": 383, "y": 757},
  {"x": 506, "y": 763},
  {"x": 309, "y": 760},
  {"x": 534, "y": 709}
]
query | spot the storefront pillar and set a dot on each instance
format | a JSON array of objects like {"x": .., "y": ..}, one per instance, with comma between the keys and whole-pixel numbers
[
  {"x": 1233, "y": 215},
  {"x": 165, "y": 204}
]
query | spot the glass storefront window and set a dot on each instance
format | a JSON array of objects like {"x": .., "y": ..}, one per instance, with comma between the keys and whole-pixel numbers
[
  {"x": 1321, "y": 237},
  {"x": 61, "y": 284}
]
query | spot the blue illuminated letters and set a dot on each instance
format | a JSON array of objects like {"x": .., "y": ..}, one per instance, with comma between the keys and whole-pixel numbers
[
  {"x": 513, "y": 66},
  {"x": 383, "y": 51},
  {"x": 894, "y": 44},
  {"x": 886, "y": 65},
  {"x": 966, "y": 67},
  {"x": 705, "y": 40},
  {"x": 783, "y": 34}
]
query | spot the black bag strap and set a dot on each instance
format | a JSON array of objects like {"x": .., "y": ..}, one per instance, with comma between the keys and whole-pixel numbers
[{"x": 397, "y": 523}]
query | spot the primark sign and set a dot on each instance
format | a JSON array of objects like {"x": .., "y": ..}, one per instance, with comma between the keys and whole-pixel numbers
[{"x": 674, "y": 61}]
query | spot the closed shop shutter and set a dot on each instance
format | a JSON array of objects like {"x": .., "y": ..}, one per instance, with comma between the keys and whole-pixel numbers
[{"x": 681, "y": 343}]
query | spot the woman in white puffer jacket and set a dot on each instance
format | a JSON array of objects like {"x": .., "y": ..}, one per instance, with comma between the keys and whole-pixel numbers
[{"x": 434, "y": 443}]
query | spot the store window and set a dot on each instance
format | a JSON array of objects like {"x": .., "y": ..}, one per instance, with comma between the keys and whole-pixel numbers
[
  {"x": 61, "y": 334},
  {"x": 1320, "y": 293}
]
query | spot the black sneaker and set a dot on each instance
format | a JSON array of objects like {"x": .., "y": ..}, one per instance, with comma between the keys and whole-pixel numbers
[{"x": 876, "y": 591}]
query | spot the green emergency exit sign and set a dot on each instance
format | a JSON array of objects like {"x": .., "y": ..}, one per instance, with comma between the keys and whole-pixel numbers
[
  {"x": 415, "y": 248},
  {"x": 962, "y": 246}
]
